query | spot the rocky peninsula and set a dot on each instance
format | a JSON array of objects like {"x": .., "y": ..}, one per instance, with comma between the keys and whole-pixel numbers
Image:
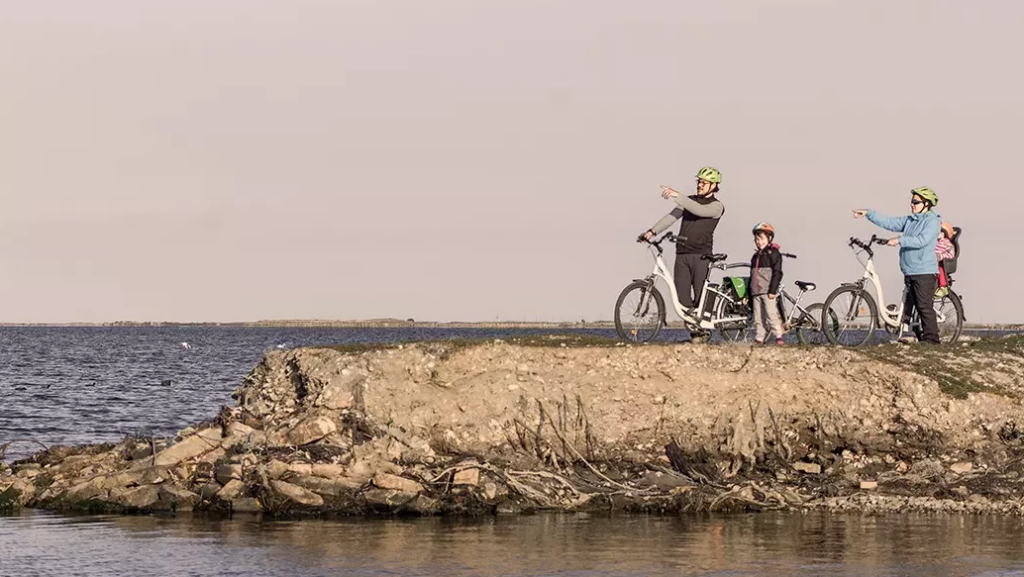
[{"x": 575, "y": 424}]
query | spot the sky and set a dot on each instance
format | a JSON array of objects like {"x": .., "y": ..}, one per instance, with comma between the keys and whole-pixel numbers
[{"x": 227, "y": 160}]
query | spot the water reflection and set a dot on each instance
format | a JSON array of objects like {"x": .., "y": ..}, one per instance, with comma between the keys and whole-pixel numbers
[{"x": 783, "y": 544}]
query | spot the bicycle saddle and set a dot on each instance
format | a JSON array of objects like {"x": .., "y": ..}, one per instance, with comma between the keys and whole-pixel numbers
[
  {"x": 805, "y": 286},
  {"x": 715, "y": 257}
]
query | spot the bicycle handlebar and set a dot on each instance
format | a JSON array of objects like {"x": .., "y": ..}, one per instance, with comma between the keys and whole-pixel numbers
[
  {"x": 667, "y": 237},
  {"x": 788, "y": 254},
  {"x": 866, "y": 245}
]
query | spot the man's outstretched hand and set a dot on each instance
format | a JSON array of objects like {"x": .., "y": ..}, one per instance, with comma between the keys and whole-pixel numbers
[
  {"x": 860, "y": 213},
  {"x": 667, "y": 192}
]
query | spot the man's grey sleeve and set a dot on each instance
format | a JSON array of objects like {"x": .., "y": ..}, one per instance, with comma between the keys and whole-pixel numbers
[
  {"x": 667, "y": 220},
  {"x": 710, "y": 210}
]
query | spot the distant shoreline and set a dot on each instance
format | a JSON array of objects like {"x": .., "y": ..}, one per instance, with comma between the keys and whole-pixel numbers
[{"x": 404, "y": 324}]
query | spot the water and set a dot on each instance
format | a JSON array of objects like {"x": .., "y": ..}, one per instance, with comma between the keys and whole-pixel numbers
[
  {"x": 87, "y": 385},
  {"x": 577, "y": 545},
  {"x": 73, "y": 385}
]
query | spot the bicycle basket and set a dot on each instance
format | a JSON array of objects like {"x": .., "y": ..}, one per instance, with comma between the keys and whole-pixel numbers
[{"x": 739, "y": 284}]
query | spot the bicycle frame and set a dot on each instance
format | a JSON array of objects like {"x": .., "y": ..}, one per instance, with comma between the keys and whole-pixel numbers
[
  {"x": 788, "y": 321},
  {"x": 690, "y": 317},
  {"x": 893, "y": 319}
]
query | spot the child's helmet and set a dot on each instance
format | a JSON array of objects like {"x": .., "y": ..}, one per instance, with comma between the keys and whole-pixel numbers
[
  {"x": 947, "y": 229},
  {"x": 927, "y": 194},
  {"x": 765, "y": 228},
  {"x": 710, "y": 174}
]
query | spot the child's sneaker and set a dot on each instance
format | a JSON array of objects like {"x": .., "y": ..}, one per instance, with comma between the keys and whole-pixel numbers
[
  {"x": 759, "y": 342},
  {"x": 941, "y": 292},
  {"x": 780, "y": 342}
]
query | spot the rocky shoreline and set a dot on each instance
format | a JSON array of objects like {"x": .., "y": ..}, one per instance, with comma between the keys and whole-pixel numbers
[{"x": 566, "y": 424}]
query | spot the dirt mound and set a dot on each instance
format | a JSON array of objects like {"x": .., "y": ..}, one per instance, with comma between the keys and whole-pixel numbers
[{"x": 456, "y": 427}]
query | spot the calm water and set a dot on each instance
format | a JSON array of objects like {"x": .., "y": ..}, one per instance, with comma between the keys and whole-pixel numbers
[
  {"x": 79, "y": 385},
  {"x": 75, "y": 385},
  {"x": 767, "y": 544}
]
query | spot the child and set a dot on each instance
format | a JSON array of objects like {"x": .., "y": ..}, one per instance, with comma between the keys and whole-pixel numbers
[
  {"x": 944, "y": 250},
  {"x": 765, "y": 279}
]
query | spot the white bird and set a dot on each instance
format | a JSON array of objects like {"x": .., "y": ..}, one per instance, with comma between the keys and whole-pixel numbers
[
  {"x": 281, "y": 346},
  {"x": 186, "y": 346}
]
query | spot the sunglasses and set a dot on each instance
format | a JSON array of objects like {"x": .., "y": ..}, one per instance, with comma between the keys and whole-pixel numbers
[{"x": 916, "y": 202}]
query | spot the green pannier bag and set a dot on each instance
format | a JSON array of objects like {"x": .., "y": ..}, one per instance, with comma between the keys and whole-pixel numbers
[{"x": 739, "y": 284}]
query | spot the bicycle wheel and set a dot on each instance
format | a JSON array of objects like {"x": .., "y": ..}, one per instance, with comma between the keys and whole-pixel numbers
[
  {"x": 855, "y": 313},
  {"x": 950, "y": 312},
  {"x": 639, "y": 313},
  {"x": 808, "y": 326},
  {"x": 735, "y": 332}
]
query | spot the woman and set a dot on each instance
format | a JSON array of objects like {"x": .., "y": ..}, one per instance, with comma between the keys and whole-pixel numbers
[{"x": 917, "y": 256}]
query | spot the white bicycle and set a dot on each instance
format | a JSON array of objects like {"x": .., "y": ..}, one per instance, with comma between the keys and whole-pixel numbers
[
  {"x": 859, "y": 315},
  {"x": 640, "y": 308}
]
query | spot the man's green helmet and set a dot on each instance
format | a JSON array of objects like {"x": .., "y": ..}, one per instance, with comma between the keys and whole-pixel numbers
[
  {"x": 927, "y": 194},
  {"x": 710, "y": 174}
]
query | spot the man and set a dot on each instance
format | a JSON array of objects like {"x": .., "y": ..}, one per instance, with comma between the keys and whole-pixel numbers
[
  {"x": 700, "y": 214},
  {"x": 917, "y": 256}
]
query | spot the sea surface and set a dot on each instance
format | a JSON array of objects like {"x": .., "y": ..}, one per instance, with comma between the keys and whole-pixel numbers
[{"x": 78, "y": 385}]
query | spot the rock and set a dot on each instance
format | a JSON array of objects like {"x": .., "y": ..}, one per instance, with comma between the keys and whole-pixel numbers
[
  {"x": 208, "y": 491},
  {"x": 246, "y": 505},
  {"x": 321, "y": 486},
  {"x": 188, "y": 448},
  {"x": 142, "y": 452},
  {"x": 178, "y": 498},
  {"x": 237, "y": 429},
  {"x": 26, "y": 473},
  {"x": 387, "y": 498},
  {"x": 235, "y": 433},
  {"x": 365, "y": 469},
  {"x": 396, "y": 483},
  {"x": 297, "y": 494},
  {"x": 86, "y": 491},
  {"x": 152, "y": 476},
  {"x": 214, "y": 455},
  {"x": 225, "y": 473},
  {"x": 138, "y": 498},
  {"x": 337, "y": 397},
  {"x": 329, "y": 471},
  {"x": 961, "y": 467},
  {"x": 310, "y": 431},
  {"x": 422, "y": 504},
  {"x": 868, "y": 485},
  {"x": 301, "y": 468},
  {"x": 809, "y": 468},
  {"x": 468, "y": 477},
  {"x": 490, "y": 491},
  {"x": 231, "y": 491},
  {"x": 276, "y": 469},
  {"x": 14, "y": 496}
]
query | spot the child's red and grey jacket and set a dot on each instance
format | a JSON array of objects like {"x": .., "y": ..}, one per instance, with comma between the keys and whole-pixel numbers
[{"x": 766, "y": 271}]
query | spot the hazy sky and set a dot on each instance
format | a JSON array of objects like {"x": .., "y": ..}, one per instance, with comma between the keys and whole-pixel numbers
[{"x": 482, "y": 159}]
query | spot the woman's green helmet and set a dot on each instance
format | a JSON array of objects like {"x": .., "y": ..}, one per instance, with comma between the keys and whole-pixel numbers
[
  {"x": 710, "y": 174},
  {"x": 926, "y": 194}
]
